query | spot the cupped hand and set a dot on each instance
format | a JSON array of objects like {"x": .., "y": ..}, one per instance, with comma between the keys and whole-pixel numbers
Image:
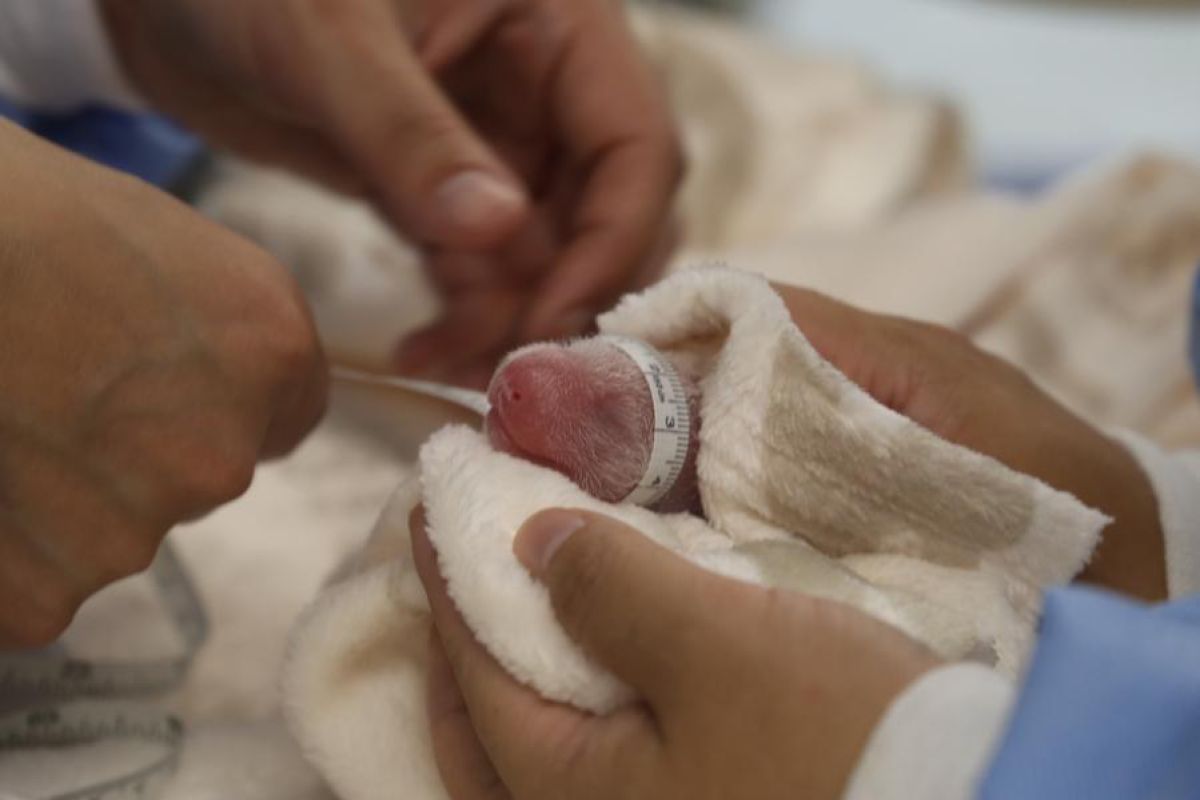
[
  {"x": 942, "y": 381},
  {"x": 524, "y": 143},
  {"x": 744, "y": 691},
  {"x": 148, "y": 359}
]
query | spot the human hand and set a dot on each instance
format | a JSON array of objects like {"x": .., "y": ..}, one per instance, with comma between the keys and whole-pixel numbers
[
  {"x": 523, "y": 143},
  {"x": 148, "y": 359},
  {"x": 745, "y": 691},
  {"x": 942, "y": 381}
]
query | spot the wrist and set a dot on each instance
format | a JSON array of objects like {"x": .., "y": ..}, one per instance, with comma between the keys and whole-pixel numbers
[
  {"x": 896, "y": 664},
  {"x": 936, "y": 738},
  {"x": 1130, "y": 557}
]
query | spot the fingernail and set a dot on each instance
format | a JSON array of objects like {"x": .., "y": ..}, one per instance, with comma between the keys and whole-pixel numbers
[
  {"x": 477, "y": 202},
  {"x": 542, "y": 535}
]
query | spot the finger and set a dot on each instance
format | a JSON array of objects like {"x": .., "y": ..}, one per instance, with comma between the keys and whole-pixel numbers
[
  {"x": 433, "y": 176},
  {"x": 466, "y": 771},
  {"x": 252, "y": 129},
  {"x": 615, "y": 228},
  {"x": 92, "y": 531},
  {"x": 640, "y": 610},
  {"x": 483, "y": 683},
  {"x": 624, "y": 145},
  {"x": 501, "y": 84},
  {"x": 655, "y": 265},
  {"x": 37, "y": 599},
  {"x": 530, "y": 253},
  {"x": 446, "y": 30},
  {"x": 274, "y": 143},
  {"x": 869, "y": 349},
  {"x": 530, "y": 740},
  {"x": 826, "y": 323},
  {"x": 473, "y": 325},
  {"x": 459, "y": 272},
  {"x": 301, "y": 399},
  {"x": 300, "y": 410},
  {"x": 520, "y": 261}
]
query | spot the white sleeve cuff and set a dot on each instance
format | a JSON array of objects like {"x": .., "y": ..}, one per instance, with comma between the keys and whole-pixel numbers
[
  {"x": 55, "y": 55},
  {"x": 1176, "y": 481},
  {"x": 937, "y": 739}
]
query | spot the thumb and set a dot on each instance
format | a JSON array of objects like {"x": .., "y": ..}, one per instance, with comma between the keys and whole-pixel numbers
[
  {"x": 642, "y": 611},
  {"x": 430, "y": 172}
]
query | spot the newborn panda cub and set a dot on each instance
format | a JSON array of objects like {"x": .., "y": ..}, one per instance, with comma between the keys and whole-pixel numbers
[{"x": 584, "y": 409}]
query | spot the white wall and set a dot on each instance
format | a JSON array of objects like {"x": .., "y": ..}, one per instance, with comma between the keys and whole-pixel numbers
[{"x": 1044, "y": 84}]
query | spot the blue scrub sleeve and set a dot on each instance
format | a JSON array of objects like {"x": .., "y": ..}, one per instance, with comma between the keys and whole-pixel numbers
[{"x": 1110, "y": 707}]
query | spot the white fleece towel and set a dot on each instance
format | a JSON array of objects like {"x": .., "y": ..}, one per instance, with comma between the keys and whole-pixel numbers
[{"x": 807, "y": 483}]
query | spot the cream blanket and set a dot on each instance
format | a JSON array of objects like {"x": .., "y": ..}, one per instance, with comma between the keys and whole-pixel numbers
[{"x": 807, "y": 484}]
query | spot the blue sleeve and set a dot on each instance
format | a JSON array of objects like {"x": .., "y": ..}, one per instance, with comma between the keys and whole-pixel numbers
[
  {"x": 145, "y": 145},
  {"x": 1110, "y": 707}
]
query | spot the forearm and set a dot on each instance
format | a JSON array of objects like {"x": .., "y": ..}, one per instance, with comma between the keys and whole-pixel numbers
[
  {"x": 937, "y": 739},
  {"x": 55, "y": 55},
  {"x": 1130, "y": 557}
]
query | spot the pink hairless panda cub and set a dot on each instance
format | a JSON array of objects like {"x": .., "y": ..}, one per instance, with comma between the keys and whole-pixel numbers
[{"x": 586, "y": 409}]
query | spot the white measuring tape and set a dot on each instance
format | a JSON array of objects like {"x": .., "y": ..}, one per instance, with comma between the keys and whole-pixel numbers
[
  {"x": 672, "y": 431},
  {"x": 65, "y": 701},
  {"x": 88, "y": 721}
]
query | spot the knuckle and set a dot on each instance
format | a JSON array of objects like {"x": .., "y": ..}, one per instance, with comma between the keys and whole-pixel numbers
[
  {"x": 130, "y": 554},
  {"x": 285, "y": 340},
  {"x": 51, "y": 611},
  {"x": 201, "y": 470},
  {"x": 293, "y": 347},
  {"x": 279, "y": 300},
  {"x": 209, "y": 476},
  {"x": 220, "y": 478}
]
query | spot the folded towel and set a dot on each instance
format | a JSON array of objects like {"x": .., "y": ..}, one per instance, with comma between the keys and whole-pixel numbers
[{"x": 807, "y": 483}]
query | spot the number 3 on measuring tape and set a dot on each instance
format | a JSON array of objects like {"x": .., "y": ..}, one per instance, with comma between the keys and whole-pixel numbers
[{"x": 672, "y": 421}]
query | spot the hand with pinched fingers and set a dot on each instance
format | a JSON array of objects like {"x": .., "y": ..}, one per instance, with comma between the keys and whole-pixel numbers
[
  {"x": 524, "y": 144},
  {"x": 149, "y": 359}
]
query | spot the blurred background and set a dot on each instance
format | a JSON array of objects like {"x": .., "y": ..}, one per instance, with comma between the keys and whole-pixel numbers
[{"x": 1043, "y": 85}]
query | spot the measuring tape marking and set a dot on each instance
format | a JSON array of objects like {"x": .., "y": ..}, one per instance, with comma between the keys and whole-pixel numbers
[
  {"x": 87, "y": 721},
  {"x": 672, "y": 427},
  {"x": 61, "y": 680}
]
